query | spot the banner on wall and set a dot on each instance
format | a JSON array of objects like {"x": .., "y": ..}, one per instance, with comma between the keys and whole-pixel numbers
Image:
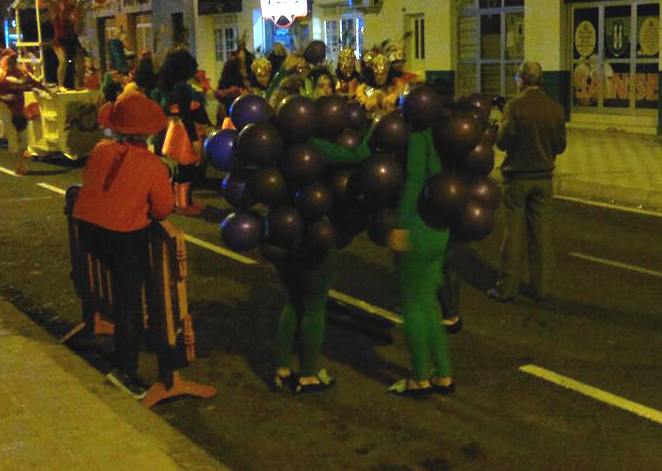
[{"x": 212, "y": 7}]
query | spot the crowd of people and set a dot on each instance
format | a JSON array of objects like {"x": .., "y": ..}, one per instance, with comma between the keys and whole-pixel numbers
[{"x": 125, "y": 185}]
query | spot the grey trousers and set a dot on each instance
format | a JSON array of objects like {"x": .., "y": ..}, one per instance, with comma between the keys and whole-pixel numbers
[{"x": 528, "y": 205}]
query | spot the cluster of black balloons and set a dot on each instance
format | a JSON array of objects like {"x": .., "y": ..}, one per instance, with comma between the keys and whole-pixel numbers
[
  {"x": 461, "y": 197},
  {"x": 314, "y": 205},
  {"x": 311, "y": 205}
]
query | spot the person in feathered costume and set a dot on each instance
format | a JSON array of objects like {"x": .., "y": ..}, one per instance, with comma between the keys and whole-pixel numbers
[
  {"x": 378, "y": 94},
  {"x": 13, "y": 83},
  {"x": 348, "y": 79},
  {"x": 402, "y": 78},
  {"x": 184, "y": 106},
  {"x": 261, "y": 69}
]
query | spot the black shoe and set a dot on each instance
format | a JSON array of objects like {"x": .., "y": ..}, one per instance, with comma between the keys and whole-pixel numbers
[
  {"x": 290, "y": 381},
  {"x": 128, "y": 383},
  {"x": 493, "y": 293},
  {"x": 455, "y": 327}
]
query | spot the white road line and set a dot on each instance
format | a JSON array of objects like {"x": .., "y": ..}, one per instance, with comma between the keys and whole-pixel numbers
[
  {"x": 52, "y": 188},
  {"x": 595, "y": 393},
  {"x": 8, "y": 172},
  {"x": 391, "y": 316},
  {"x": 27, "y": 198},
  {"x": 609, "y": 206},
  {"x": 220, "y": 250},
  {"x": 625, "y": 266}
]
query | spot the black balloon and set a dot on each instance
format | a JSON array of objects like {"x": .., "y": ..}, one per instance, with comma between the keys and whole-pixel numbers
[
  {"x": 339, "y": 184},
  {"x": 332, "y": 116},
  {"x": 258, "y": 145},
  {"x": 351, "y": 220},
  {"x": 267, "y": 186},
  {"x": 241, "y": 231},
  {"x": 273, "y": 253},
  {"x": 297, "y": 118},
  {"x": 480, "y": 160},
  {"x": 349, "y": 138},
  {"x": 475, "y": 222},
  {"x": 455, "y": 136},
  {"x": 314, "y": 201},
  {"x": 482, "y": 101},
  {"x": 315, "y": 52},
  {"x": 356, "y": 116},
  {"x": 486, "y": 192},
  {"x": 380, "y": 225},
  {"x": 235, "y": 190},
  {"x": 380, "y": 179},
  {"x": 219, "y": 149},
  {"x": 320, "y": 235},
  {"x": 301, "y": 164},
  {"x": 442, "y": 199},
  {"x": 284, "y": 226},
  {"x": 421, "y": 107},
  {"x": 391, "y": 133},
  {"x": 248, "y": 109}
]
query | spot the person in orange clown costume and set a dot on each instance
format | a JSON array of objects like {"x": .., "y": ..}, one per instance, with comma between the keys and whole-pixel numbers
[
  {"x": 13, "y": 83},
  {"x": 182, "y": 142},
  {"x": 124, "y": 187}
]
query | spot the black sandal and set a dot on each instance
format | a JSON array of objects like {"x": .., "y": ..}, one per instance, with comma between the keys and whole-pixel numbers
[
  {"x": 325, "y": 382},
  {"x": 401, "y": 388},
  {"x": 445, "y": 390}
]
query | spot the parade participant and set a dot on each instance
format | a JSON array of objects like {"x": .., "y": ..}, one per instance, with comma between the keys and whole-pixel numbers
[
  {"x": 306, "y": 275},
  {"x": 348, "y": 78},
  {"x": 261, "y": 76},
  {"x": 231, "y": 85},
  {"x": 277, "y": 57},
  {"x": 124, "y": 185},
  {"x": 378, "y": 94},
  {"x": 402, "y": 79},
  {"x": 66, "y": 16},
  {"x": 182, "y": 141},
  {"x": 532, "y": 133},
  {"x": 320, "y": 83},
  {"x": 419, "y": 254},
  {"x": 289, "y": 80},
  {"x": 13, "y": 83}
]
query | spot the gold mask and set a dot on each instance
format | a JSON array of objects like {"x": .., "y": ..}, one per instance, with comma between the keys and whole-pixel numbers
[
  {"x": 261, "y": 66},
  {"x": 380, "y": 66},
  {"x": 346, "y": 60}
]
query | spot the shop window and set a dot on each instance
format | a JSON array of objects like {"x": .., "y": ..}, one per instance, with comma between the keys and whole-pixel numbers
[
  {"x": 615, "y": 57},
  {"x": 491, "y": 45},
  {"x": 419, "y": 38},
  {"x": 344, "y": 30},
  {"x": 225, "y": 41},
  {"x": 144, "y": 40}
]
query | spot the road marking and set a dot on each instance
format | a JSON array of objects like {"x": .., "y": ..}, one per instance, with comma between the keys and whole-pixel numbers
[
  {"x": 27, "y": 198},
  {"x": 52, "y": 188},
  {"x": 595, "y": 393},
  {"x": 625, "y": 266},
  {"x": 8, "y": 172},
  {"x": 609, "y": 206},
  {"x": 391, "y": 316},
  {"x": 220, "y": 250},
  {"x": 378, "y": 311}
]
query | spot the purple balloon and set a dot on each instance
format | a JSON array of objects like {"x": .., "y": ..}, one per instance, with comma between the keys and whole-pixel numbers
[
  {"x": 248, "y": 109},
  {"x": 219, "y": 147},
  {"x": 235, "y": 190},
  {"x": 242, "y": 231}
]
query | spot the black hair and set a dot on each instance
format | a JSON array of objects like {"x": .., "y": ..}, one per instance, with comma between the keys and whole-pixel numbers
[
  {"x": 315, "y": 74},
  {"x": 179, "y": 66}
]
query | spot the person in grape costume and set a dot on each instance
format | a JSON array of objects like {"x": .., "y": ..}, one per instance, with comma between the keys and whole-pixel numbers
[
  {"x": 306, "y": 274},
  {"x": 420, "y": 252}
]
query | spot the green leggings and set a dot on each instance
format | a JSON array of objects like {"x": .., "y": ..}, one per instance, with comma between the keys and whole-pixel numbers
[
  {"x": 307, "y": 281},
  {"x": 419, "y": 277}
]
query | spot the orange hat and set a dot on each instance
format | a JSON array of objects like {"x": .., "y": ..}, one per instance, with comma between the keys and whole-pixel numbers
[{"x": 132, "y": 113}]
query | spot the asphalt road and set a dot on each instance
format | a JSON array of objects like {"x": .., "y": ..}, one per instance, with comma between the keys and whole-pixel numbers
[{"x": 604, "y": 330}]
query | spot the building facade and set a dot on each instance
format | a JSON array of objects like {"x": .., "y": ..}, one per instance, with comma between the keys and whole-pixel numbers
[{"x": 600, "y": 58}]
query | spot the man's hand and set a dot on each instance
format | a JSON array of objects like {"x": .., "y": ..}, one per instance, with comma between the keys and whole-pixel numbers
[{"x": 398, "y": 240}]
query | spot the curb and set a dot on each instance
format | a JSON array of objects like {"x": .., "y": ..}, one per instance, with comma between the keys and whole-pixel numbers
[{"x": 614, "y": 194}]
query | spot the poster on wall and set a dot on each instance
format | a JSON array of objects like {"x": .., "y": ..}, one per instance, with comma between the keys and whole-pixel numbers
[
  {"x": 649, "y": 36},
  {"x": 617, "y": 36},
  {"x": 585, "y": 38}
]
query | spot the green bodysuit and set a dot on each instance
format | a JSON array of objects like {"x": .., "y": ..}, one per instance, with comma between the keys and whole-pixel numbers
[
  {"x": 418, "y": 271},
  {"x": 307, "y": 279}
]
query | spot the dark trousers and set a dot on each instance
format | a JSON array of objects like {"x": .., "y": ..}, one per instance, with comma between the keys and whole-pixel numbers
[
  {"x": 448, "y": 293},
  {"x": 528, "y": 205},
  {"x": 126, "y": 256}
]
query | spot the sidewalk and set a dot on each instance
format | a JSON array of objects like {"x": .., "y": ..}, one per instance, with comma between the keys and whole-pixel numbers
[
  {"x": 58, "y": 413},
  {"x": 611, "y": 167}
]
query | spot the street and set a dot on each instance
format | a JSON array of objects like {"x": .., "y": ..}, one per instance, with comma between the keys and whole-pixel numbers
[{"x": 603, "y": 330}]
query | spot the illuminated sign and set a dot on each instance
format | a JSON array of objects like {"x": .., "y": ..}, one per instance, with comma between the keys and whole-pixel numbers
[{"x": 284, "y": 12}]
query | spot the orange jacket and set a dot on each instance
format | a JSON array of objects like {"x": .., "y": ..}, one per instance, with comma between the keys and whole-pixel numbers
[{"x": 123, "y": 184}]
